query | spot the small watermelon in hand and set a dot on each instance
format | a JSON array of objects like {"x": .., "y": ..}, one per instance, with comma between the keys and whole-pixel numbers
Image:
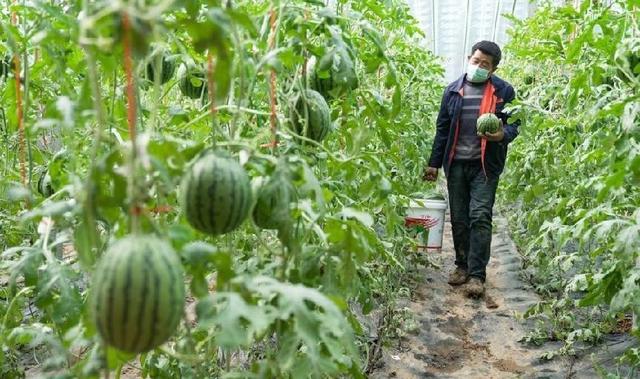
[{"x": 488, "y": 123}]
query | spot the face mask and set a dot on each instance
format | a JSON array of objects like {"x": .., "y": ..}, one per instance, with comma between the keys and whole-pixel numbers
[{"x": 476, "y": 74}]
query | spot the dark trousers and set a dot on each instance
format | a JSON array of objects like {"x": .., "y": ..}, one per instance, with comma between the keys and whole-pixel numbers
[{"x": 471, "y": 198}]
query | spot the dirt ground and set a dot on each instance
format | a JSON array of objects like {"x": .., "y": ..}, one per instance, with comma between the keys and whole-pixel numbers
[{"x": 459, "y": 337}]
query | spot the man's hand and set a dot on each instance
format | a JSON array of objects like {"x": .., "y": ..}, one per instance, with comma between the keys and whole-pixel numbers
[
  {"x": 430, "y": 174},
  {"x": 494, "y": 137}
]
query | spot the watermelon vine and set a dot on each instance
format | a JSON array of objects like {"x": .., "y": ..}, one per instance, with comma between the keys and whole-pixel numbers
[{"x": 572, "y": 180}]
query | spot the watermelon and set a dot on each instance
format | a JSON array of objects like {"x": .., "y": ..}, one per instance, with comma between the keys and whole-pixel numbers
[
  {"x": 275, "y": 194},
  {"x": 193, "y": 83},
  {"x": 216, "y": 193},
  {"x": 311, "y": 107},
  {"x": 138, "y": 293},
  {"x": 488, "y": 123},
  {"x": 335, "y": 73},
  {"x": 166, "y": 66},
  {"x": 6, "y": 65},
  {"x": 44, "y": 184}
]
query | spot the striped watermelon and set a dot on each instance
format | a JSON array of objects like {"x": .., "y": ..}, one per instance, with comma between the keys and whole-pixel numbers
[
  {"x": 138, "y": 293},
  {"x": 487, "y": 123},
  {"x": 312, "y": 107},
  {"x": 44, "y": 184},
  {"x": 216, "y": 193},
  {"x": 193, "y": 83},
  {"x": 166, "y": 66},
  {"x": 335, "y": 73},
  {"x": 272, "y": 206},
  {"x": 6, "y": 66}
]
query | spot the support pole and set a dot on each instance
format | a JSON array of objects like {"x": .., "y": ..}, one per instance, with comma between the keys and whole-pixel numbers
[{"x": 466, "y": 34}]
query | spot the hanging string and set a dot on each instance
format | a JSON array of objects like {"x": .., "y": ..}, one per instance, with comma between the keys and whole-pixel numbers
[
  {"x": 134, "y": 209},
  {"x": 128, "y": 68},
  {"x": 22, "y": 158}
]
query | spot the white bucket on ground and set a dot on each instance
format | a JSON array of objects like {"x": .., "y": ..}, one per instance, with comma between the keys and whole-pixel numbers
[{"x": 427, "y": 217}]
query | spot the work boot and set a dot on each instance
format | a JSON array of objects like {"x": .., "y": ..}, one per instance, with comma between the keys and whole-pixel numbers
[
  {"x": 475, "y": 288},
  {"x": 458, "y": 277}
]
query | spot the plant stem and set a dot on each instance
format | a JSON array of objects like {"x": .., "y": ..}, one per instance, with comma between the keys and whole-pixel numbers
[
  {"x": 23, "y": 291},
  {"x": 212, "y": 96},
  {"x": 113, "y": 93},
  {"x": 156, "y": 62},
  {"x": 89, "y": 211}
]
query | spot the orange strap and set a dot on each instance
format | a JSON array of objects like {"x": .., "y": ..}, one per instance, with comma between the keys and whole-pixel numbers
[{"x": 488, "y": 105}]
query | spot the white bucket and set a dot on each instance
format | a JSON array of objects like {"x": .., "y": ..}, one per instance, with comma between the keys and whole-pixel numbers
[{"x": 426, "y": 216}]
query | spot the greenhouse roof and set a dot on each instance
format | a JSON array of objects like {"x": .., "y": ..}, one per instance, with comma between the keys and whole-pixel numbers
[{"x": 452, "y": 26}]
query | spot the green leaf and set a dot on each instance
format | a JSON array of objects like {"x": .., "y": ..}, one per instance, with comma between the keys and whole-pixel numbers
[
  {"x": 236, "y": 322},
  {"x": 214, "y": 31},
  {"x": 200, "y": 256},
  {"x": 604, "y": 287},
  {"x": 51, "y": 209},
  {"x": 363, "y": 217},
  {"x": 317, "y": 323},
  {"x": 397, "y": 101},
  {"x": 87, "y": 243},
  {"x": 375, "y": 37}
]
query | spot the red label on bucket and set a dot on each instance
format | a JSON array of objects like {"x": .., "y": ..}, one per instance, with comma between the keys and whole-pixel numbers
[{"x": 427, "y": 222}]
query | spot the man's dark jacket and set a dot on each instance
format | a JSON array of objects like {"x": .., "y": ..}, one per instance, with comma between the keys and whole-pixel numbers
[{"x": 498, "y": 93}]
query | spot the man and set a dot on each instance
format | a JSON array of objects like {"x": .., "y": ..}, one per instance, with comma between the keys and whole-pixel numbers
[{"x": 472, "y": 164}]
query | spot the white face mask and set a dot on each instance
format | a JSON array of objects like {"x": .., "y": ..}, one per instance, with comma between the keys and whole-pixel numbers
[{"x": 475, "y": 74}]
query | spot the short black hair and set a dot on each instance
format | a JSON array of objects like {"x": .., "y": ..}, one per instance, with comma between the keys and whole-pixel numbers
[{"x": 489, "y": 48}]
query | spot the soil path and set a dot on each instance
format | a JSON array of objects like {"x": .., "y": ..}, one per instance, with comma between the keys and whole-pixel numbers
[{"x": 459, "y": 337}]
